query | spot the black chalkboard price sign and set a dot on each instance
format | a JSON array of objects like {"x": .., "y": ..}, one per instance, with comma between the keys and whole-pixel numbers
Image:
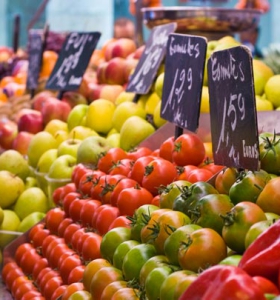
[
  {"x": 72, "y": 61},
  {"x": 233, "y": 114},
  {"x": 183, "y": 79},
  {"x": 146, "y": 70},
  {"x": 35, "y": 49}
]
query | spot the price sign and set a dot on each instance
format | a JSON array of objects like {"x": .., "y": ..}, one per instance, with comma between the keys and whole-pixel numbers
[
  {"x": 35, "y": 50},
  {"x": 183, "y": 79},
  {"x": 232, "y": 109},
  {"x": 154, "y": 52},
  {"x": 72, "y": 61}
]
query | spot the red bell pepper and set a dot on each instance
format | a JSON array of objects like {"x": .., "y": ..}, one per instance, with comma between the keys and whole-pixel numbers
[
  {"x": 223, "y": 282},
  {"x": 262, "y": 257}
]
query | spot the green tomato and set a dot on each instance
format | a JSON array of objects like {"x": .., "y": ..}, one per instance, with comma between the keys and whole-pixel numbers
[{"x": 231, "y": 260}]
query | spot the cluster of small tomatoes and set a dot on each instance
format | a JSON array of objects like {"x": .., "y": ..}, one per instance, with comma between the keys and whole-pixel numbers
[{"x": 124, "y": 230}]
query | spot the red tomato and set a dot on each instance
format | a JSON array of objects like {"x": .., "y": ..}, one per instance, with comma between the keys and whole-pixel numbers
[
  {"x": 76, "y": 275},
  {"x": 138, "y": 169},
  {"x": 22, "y": 288},
  {"x": 49, "y": 275},
  {"x": 88, "y": 180},
  {"x": 87, "y": 211},
  {"x": 75, "y": 238},
  {"x": 199, "y": 174},
  {"x": 185, "y": 171},
  {"x": 132, "y": 198},
  {"x": 67, "y": 265},
  {"x": 56, "y": 195},
  {"x": 28, "y": 260},
  {"x": 68, "y": 188},
  {"x": 33, "y": 294},
  {"x": 68, "y": 199},
  {"x": 109, "y": 158},
  {"x": 63, "y": 225},
  {"x": 56, "y": 253},
  {"x": 22, "y": 249},
  {"x": 97, "y": 187},
  {"x": 59, "y": 292},
  {"x": 10, "y": 272},
  {"x": 69, "y": 231},
  {"x": 166, "y": 149},
  {"x": 122, "y": 167},
  {"x": 38, "y": 227},
  {"x": 188, "y": 150},
  {"x": 209, "y": 165},
  {"x": 156, "y": 200},
  {"x": 157, "y": 173},
  {"x": 38, "y": 267},
  {"x": 121, "y": 185},
  {"x": 39, "y": 237},
  {"x": 91, "y": 247},
  {"x": 78, "y": 171},
  {"x": 139, "y": 152},
  {"x": 121, "y": 221},
  {"x": 75, "y": 209},
  {"x": 51, "y": 286},
  {"x": 71, "y": 289},
  {"x": 53, "y": 219}
]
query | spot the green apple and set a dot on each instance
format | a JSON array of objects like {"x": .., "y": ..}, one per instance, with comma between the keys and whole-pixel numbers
[
  {"x": 13, "y": 161},
  {"x": 77, "y": 115},
  {"x": 30, "y": 182},
  {"x": 114, "y": 139},
  {"x": 1, "y": 215},
  {"x": 99, "y": 115},
  {"x": 62, "y": 167},
  {"x": 46, "y": 160},
  {"x": 69, "y": 146},
  {"x": 124, "y": 97},
  {"x": 112, "y": 131},
  {"x": 40, "y": 143},
  {"x": 54, "y": 125},
  {"x": 30, "y": 220},
  {"x": 91, "y": 148},
  {"x": 125, "y": 110},
  {"x": 10, "y": 222},
  {"x": 31, "y": 200},
  {"x": 11, "y": 186},
  {"x": 81, "y": 132},
  {"x": 159, "y": 85},
  {"x": 134, "y": 131},
  {"x": 158, "y": 120}
]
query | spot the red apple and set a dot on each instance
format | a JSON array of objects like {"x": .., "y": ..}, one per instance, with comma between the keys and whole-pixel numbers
[
  {"x": 130, "y": 65},
  {"x": 104, "y": 91},
  {"x": 100, "y": 72},
  {"x": 114, "y": 72},
  {"x": 94, "y": 91},
  {"x": 8, "y": 132},
  {"x": 73, "y": 98},
  {"x": 120, "y": 48},
  {"x": 31, "y": 122},
  {"x": 55, "y": 109},
  {"x": 138, "y": 52},
  {"x": 21, "y": 142},
  {"x": 40, "y": 98}
]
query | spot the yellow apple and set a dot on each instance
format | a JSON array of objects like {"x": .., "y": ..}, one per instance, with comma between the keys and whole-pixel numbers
[
  {"x": 10, "y": 223},
  {"x": 81, "y": 132},
  {"x": 54, "y": 125}
]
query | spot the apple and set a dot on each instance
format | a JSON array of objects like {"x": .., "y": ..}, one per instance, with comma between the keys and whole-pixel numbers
[
  {"x": 94, "y": 91},
  {"x": 138, "y": 52},
  {"x": 134, "y": 131},
  {"x": 14, "y": 162},
  {"x": 21, "y": 142},
  {"x": 40, "y": 143},
  {"x": 10, "y": 223},
  {"x": 11, "y": 186},
  {"x": 130, "y": 65},
  {"x": 159, "y": 84},
  {"x": 24, "y": 111},
  {"x": 114, "y": 72},
  {"x": 76, "y": 116},
  {"x": 114, "y": 139},
  {"x": 100, "y": 73},
  {"x": 40, "y": 98},
  {"x": 46, "y": 160},
  {"x": 29, "y": 201},
  {"x": 121, "y": 47},
  {"x": 105, "y": 91},
  {"x": 31, "y": 122},
  {"x": 30, "y": 220},
  {"x": 62, "y": 167},
  {"x": 99, "y": 115},
  {"x": 73, "y": 98},
  {"x": 91, "y": 148},
  {"x": 30, "y": 181},
  {"x": 54, "y": 125},
  {"x": 124, "y": 96},
  {"x": 1, "y": 216},
  {"x": 158, "y": 120},
  {"x": 55, "y": 109},
  {"x": 69, "y": 146},
  {"x": 125, "y": 110},
  {"x": 8, "y": 132},
  {"x": 61, "y": 136},
  {"x": 82, "y": 132}
]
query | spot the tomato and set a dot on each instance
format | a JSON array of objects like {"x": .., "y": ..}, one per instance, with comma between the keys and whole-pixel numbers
[
  {"x": 39, "y": 237},
  {"x": 76, "y": 275},
  {"x": 184, "y": 172},
  {"x": 58, "y": 292},
  {"x": 183, "y": 284},
  {"x": 199, "y": 174},
  {"x": 188, "y": 150},
  {"x": 225, "y": 179},
  {"x": 47, "y": 276},
  {"x": 112, "y": 288},
  {"x": 171, "y": 282},
  {"x": 126, "y": 293},
  {"x": 56, "y": 253},
  {"x": 68, "y": 199},
  {"x": 121, "y": 221},
  {"x": 22, "y": 289},
  {"x": 155, "y": 280},
  {"x": 91, "y": 247},
  {"x": 60, "y": 192},
  {"x": 25, "y": 247},
  {"x": 87, "y": 211},
  {"x": 111, "y": 181},
  {"x": 107, "y": 159},
  {"x": 76, "y": 237},
  {"x": 28, "y": 260},
  {"x": 268, "y": 198},
  {"x": 63, "y": 225},
  {"x": 156, "y": 200},
  {"x": 122, "y": 167},
  {"x": 139, "y": 218},
  {"x": 97, "y": 187},
  {"x": 170, "y": 192},
  {"x": 121, "y": 251},
  {"x": 77, "y": 173},
  {"x": 67, "y": 264},
  {"x": 194, "y": 252},
  {"x": 33, "y": 294},
  {"x": 51, "y": 286},
  {"x": 138, "y": 168},
  {"x": 139, "y": 152},
  {"x": 152, "y": 263},
  {"x": 91, "y": 269},
  {"x": 38, "y": 267},
  {"x": 208, "y": 210},
  {"x": 132, "y": 198},
  {"x": 80, "y": 295},
  {"x": 166, "y": 149},
  {"x": 87, "y": 181},
  {"x": 104, "y": 217},
  {"x": 38, "y": 227},
  {"x": 71, "y": 289},
  {"x": 135, "y": 259},
  {"x": 112, "y": 239},
  {"x": 267, "y": 286},
  {"x": 255, "y": 230},
  {"x": 248, "y": 186},
  {"x": 69, "y": 231},
  {"x": 10, "y": 272},
  {"x": 157, "y": 173},
  {"x": 102, "y": 278},
  {"x": 121, "y": 185},
  {"x": 231, "y": 260},
  {"x": 237, "y": 223},
  {"x": 211, "y": 166},
  {"x": 53, "y": 219},
  {"x": 174, "y": 240},
  {"x": 75, "y": 209},
  {"x": 165, "y": 225},
  {"x": 47, "y": 242}
]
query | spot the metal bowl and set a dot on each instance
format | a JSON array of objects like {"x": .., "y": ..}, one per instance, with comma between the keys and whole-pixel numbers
[{"x": 202, "y": 19}]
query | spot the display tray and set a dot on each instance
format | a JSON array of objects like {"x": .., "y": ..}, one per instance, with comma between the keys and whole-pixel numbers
[{"x": 202, "y": 19}]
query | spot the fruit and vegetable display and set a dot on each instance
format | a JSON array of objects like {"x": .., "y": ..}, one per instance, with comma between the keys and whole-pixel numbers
[{"x": 107, "y": 218}]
